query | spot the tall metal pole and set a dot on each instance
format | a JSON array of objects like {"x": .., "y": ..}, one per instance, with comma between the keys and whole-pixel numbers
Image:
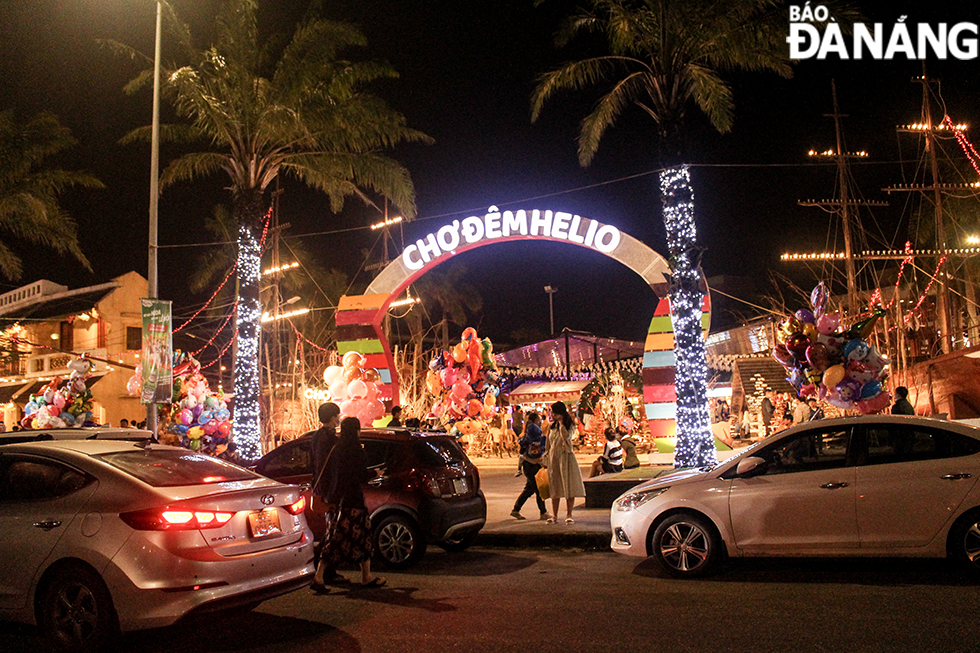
[
  {"x": 551, "y": 290},
  {"x": 151, "y": 276},
  {"x": 942, "y": 291},
  {"x": 845, "y": 208}
]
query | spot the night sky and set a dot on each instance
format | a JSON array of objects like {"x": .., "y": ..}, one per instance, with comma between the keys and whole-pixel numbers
[{"x": 467, "y": 70}]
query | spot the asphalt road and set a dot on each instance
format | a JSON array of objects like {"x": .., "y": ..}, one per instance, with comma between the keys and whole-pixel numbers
[{"x": 521, "y": 600}]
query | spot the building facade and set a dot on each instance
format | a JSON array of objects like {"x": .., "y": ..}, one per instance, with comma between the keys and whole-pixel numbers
[{"x": 44, "y": 326}]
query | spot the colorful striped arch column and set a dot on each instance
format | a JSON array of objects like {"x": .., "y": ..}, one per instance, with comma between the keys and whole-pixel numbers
[
  {"x": 659, "y": 394},
  {"x": 359, "y": 329}
]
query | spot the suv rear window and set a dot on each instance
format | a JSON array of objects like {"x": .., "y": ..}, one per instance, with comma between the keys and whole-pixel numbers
[
  {"x": 440, "y": 452},
  {"x": 161, "y": 468}
]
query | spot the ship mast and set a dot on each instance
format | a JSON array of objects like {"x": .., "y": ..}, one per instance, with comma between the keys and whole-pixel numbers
[{"x": 844, "y": 204}]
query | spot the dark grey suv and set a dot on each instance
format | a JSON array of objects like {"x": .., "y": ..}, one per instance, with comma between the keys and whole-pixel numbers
[{"x": 428, "y": 492}]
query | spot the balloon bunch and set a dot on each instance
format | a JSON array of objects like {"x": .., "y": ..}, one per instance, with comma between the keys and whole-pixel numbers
[
  {"x": 69, "y": 405},
  {"x": 831, "y": 362},
  {"x": 198, "y": 418},
  {"x": 466, "y": 381},
  {"x": 355, "y": 388}
]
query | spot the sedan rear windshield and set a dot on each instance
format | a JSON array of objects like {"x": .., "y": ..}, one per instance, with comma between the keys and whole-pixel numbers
[{"x": 169, "y": 468}]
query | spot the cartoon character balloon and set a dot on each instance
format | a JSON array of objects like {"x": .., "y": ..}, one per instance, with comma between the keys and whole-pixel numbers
[
  {"x": 465, "y": 381},
  {"x": 822, "y": 357}
]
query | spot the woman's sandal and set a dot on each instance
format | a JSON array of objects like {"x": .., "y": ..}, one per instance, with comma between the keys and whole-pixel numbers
[
  {"x": 569, "y": 520},
  {"x": 377, "y": 581},
  {"x": 319, "y": 588},
  {"x": 551, "y": 520}
]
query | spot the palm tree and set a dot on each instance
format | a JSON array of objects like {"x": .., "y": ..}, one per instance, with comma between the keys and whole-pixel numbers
[
  {"x": 29, "y": 191},
  {"x": 663, "y": 56},
  {"x": 304, "y": 114}
]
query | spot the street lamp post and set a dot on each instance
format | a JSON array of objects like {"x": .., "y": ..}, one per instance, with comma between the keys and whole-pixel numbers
[
  {"x": 551, "y": 290},
  {"x": 151, "y": 277}
]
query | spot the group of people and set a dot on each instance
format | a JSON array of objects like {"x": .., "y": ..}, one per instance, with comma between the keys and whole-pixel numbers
[
  {"x": 618, "y": 453},
  {"x": 340, "y": 468},
  {"x": 550, "y": 448}
]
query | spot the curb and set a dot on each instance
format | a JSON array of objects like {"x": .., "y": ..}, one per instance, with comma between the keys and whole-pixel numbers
[{"x": 586, "y": 541}]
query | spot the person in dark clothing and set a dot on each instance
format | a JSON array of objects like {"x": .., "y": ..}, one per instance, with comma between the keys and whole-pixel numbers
[
  {"x": 629, "y": 447},
  {"x": 533, "y": 444},
  {"x": 768, "y": 412},
  {"x": 348, "y": 537},
  {"x": 396, "y": 417},
  {"x": 902, "y": 404},
  {"x": 816, "y": 412},
  {"x": 324, "y": 439}
]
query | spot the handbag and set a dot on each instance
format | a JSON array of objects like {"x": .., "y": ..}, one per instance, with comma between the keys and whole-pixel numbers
[
  {"x": 541, "y": 478},
  {"x": 318, "y": 503}
]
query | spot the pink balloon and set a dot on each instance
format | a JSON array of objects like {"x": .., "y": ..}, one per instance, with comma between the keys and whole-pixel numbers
[
  {"x": 828, "y": 323},
  {"x": 448, "y": 376},
  {"x": 347, "y": 408},
  {"x": 338, "y": 390},
  {"x": 461, "y": 389},
  {"x": 357, "y": 389},
  {"x": 133, "y": 385},
  {"x": 372, "y": 391},
  {"x": 376, "y": 409}
]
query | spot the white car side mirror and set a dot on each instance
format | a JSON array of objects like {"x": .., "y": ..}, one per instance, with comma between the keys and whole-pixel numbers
[{"x": 748, "y": 465}]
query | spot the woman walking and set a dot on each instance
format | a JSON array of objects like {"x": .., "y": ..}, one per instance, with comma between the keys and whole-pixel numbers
[
  {"x": 348, "y": 536},
  {"x": 533, "y": 446},
  {"x": 564, "y": 476}
]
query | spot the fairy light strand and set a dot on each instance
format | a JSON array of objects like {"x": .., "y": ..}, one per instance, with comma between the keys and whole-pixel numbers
[
  {"x": 246, "y": 430},
  {"x": 695, "y": 442}
]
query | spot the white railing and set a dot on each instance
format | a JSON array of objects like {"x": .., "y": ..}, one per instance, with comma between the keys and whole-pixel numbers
[{"x": 56, "y": 363}]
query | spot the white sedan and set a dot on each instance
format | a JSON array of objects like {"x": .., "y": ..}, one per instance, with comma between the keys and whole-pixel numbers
[
  {"x": 860, "y": 486},
  {"x": 100, "y": 536}
]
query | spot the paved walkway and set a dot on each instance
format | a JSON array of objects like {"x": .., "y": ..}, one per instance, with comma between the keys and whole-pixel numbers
[{"x": 591, "y": 528}]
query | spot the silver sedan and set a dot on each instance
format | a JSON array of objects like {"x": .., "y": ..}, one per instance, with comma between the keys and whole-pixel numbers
[
  {"x": 881, "y": 485},
  {"x": 101, "y": 536}
]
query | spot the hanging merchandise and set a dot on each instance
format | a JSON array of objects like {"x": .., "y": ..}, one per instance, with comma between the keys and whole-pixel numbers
[
  {"x": 198, "y": 418},
  {"x": 67, "y": 405},
  {"x": 832, "y": 362},
  {"x": 466, "y": 382}
]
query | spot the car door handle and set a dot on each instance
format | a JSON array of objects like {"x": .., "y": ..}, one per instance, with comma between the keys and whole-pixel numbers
[
  {"x": 47, "y": 525},
  {"x": 833, "y": 486},
  {"x": 955, "y": 477}
]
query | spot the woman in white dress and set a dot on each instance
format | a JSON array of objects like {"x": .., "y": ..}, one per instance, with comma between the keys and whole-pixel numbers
[{"x": 564, "y": 475}]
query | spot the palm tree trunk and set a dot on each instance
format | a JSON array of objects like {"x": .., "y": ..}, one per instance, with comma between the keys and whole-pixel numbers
[
  {"x": 695, "y": 442},
  {"x": 247, "y": 432}
]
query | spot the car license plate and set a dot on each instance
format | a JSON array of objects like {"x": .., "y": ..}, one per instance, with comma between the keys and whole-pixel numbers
[
  {"x": 460, "y": 485},
  {"x": 264, "y": 522}
]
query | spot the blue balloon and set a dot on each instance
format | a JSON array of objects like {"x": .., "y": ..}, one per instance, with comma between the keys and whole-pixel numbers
[{"x": 870, "y": 389}]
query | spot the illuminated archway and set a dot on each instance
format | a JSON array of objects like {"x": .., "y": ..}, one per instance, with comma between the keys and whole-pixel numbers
[{"x": 359, "y": 317}]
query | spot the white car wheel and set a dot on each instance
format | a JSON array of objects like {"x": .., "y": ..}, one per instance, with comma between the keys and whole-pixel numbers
[{"x": 685, "y": 545}]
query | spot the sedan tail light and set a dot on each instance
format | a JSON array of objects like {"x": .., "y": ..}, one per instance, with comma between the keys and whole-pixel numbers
[
  {"x": 175, "y": 519},
  {"x": 298, "y": 507}
]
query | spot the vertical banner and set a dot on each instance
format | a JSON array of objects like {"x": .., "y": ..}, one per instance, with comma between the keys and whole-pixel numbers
[{"x": 157, "y": 354}]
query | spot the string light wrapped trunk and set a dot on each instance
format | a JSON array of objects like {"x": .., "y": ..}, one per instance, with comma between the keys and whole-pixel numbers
[
  {"x": 695, "y": 442},
  {"x": 246, "y": 432}
]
